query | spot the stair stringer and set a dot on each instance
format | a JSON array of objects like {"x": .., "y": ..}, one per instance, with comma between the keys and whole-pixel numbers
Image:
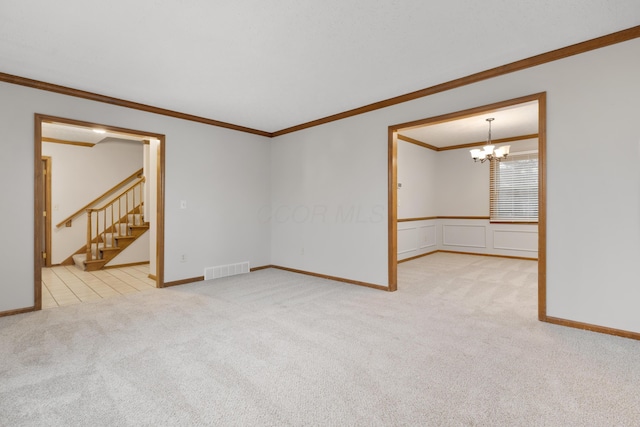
[
  {"x": 124, "y": 221},
  {"x": 107, "y": 254}
]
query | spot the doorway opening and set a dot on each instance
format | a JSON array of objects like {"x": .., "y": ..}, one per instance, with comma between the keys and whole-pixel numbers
[
  {"x": 120, "y": 226},
  {"x": 436, "y": 234}
]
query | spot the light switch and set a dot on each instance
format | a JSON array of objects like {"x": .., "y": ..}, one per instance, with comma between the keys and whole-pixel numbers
[{"x": 183, "y": 204}]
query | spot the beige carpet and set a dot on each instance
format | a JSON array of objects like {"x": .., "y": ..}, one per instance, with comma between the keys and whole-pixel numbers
[{"x": 458, "y": 344}]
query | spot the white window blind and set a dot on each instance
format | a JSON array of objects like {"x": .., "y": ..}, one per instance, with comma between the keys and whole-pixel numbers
[{"x": 514, "y": 188}]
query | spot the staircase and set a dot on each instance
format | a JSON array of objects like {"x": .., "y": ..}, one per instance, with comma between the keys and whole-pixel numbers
[
  {"x": 112, "y": 228},
  {"x": 112, "y": 243}
]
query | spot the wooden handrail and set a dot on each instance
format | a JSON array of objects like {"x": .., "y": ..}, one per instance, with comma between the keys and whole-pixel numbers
[
  {"x": 114, "y": 226},
  {"x": 122, "y": 193},
  {"x": 96, "y": 200}
]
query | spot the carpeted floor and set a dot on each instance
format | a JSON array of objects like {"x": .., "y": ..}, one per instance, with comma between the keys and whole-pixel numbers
[{"x": 458, "y": 344}]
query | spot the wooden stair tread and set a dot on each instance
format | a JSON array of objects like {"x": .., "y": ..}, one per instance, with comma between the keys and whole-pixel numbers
[{"x": 130, "y": 225}]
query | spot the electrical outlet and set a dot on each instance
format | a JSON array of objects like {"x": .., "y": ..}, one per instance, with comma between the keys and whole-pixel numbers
[{"x": 183, "y": 258}]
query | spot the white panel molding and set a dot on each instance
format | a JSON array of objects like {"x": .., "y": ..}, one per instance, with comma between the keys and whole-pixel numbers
[
  {"x": 429, "y": 234},
  {"x": 469, "y": 236},
  {"x": 515, "y": 240},
  {"x": 407, "y": 240}
]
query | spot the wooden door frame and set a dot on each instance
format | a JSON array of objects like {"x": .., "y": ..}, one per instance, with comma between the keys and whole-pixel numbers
[
  {"x": 38, "y": 192},
  {"x": 46, "y": 163},
  {"x": 542, "y": 189}
]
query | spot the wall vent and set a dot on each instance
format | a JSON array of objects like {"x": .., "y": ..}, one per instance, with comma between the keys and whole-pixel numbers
[{"x": 226, "y": 270}]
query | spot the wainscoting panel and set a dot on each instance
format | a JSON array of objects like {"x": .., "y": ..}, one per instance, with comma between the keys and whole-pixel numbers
[
  {"x": 464, "y": 236},
  {"x": 407, "y": 240},
  {"x": 468, "y": 235},
  {"x": 427, "y": 235},
  {"x": 416, "y": 238},
  {"x": 515, "y": 240}
]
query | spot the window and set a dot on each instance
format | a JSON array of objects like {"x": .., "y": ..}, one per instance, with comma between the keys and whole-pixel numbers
[{"x": 514, "y": 188}]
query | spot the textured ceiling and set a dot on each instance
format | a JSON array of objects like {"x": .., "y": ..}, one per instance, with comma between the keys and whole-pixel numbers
[{"x": 270, "y": 65}]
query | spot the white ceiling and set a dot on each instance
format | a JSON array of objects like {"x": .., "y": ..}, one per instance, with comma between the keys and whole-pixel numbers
[
  {"x": 74, "y": 133},
  {"x": 517, "y": 120},
  {"x": 273, "y": 64}
]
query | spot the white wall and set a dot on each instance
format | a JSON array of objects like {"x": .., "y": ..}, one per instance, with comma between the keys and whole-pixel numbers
[
  {"x": 592, "y": 100},
  {"x": 223, "y": 174},
  {"x": 79, "y": 175},
  {"x": 463, "y": 186},
  {"x": 328, "y": 216},
  {"x": 418, "y": 181}
]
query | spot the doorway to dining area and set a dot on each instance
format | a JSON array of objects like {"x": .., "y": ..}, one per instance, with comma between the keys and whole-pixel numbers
[{"x": 441, "y": 199}]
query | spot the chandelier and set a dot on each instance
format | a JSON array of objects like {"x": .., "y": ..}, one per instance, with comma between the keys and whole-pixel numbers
[{"x": 489, "y": 151}]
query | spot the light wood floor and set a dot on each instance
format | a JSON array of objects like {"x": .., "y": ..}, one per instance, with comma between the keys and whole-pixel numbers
[{"x": 64, "y": 285}]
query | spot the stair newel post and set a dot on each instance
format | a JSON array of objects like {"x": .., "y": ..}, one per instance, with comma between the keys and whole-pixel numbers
[{"x": 89, "y": 215}]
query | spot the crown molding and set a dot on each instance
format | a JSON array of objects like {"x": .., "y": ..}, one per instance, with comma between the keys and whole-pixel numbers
[
  {"x": 64, "y": 90},
  {"x": 468, "y": 145},
  {"x": 493, "y": 141},
  {"x": 417, "y": 142},
  {"x": 554, "y": 55}
]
